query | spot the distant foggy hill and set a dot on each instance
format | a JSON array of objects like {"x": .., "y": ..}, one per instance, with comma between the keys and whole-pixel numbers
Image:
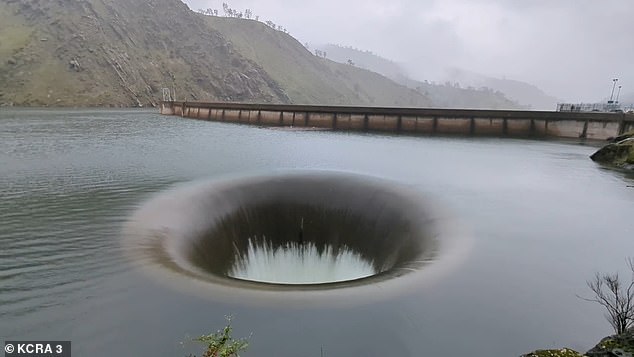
[
  {"x": 448, "y": 95},
  {"x": 522, "y": 92},
  {"x": 121, "y": 53},
  {"x": 363, "y": 59}
]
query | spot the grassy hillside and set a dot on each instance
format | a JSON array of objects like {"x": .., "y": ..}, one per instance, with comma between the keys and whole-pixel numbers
[
  {"x": 121, "y": 53},
  {"x": 306, "y": 78},
  {"x": 117, "y": 52}
]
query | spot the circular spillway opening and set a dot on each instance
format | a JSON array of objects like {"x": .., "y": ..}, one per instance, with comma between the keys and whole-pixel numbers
[
  {"x": 315, "y": 230},
  {"x": 286, "y": 237}
]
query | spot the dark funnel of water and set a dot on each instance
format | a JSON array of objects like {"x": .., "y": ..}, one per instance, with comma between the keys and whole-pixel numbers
[
  {"x": 385, "y": 225},
  {"x": 205, "y": 230}
]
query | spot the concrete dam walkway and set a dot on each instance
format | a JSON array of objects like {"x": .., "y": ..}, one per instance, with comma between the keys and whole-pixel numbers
[{"x": 423, "y": 121}]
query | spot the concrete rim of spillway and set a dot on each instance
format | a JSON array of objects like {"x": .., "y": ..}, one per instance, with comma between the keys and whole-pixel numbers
[{"x": 189, "y": 235}]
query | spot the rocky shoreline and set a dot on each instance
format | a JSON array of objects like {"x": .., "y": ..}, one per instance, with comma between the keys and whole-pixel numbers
[
  {"x": 618, "y": 153},
  {"x": 611, "y": 346}
]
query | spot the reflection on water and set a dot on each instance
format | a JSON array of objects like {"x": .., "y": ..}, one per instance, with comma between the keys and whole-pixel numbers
[
  {"x": 299, "y": 263},
  {"x": 544, "y": 219}
]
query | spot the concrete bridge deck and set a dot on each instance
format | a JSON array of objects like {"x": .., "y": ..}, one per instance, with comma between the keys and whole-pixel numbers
[{"x": 424, "y": 121}]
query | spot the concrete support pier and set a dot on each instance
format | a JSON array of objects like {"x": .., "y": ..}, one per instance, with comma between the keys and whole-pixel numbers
[{"x": 424, "y": 121}]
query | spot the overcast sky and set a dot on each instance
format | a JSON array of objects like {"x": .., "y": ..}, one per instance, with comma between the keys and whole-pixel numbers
[{"x": 569, "y": 48}]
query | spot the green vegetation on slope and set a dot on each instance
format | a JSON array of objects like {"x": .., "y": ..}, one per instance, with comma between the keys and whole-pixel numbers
[
  {"x": 306, "y": 78},
  {"x": 122, "y": 53},
  {"x": 115, "y": 52}
]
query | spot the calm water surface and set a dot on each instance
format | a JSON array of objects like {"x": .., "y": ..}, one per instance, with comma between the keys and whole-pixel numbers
[{"x": 543, "y": 218}]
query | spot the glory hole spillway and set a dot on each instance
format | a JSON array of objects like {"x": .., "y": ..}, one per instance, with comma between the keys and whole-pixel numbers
[{"x": 296, "y": 231}]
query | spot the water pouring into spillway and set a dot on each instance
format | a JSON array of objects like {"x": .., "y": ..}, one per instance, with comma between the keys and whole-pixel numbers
[
  {"x": 306, "y": 231},
  {"x": 298, "y": 263}
]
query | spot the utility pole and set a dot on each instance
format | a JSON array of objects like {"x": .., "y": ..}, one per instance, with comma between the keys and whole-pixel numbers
[{"x": 614, "y": 80}]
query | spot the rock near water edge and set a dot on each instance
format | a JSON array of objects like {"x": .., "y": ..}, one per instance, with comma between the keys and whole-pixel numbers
[
  {"x": 619, "y": 153},
  {"x": 564, "y": 352},
  {"x": 617, "y": 345},
  {"x": 612, "y": 346}
]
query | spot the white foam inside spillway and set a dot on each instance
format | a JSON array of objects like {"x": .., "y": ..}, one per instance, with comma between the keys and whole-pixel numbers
[{"x": 299, "y": 263}]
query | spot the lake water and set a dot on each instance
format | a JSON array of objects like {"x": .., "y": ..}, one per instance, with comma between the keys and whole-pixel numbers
[{"x": 542, "y": 218}]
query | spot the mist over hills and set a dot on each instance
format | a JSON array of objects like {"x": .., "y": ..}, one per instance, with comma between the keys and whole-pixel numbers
[
  {"x": 307, "y": 78},
  {"x": 122, "y": 52},
  {"x": 458, "y": 88},
  {"x": 364, "y": 59},
  {"x": 522, "y": 92}
]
